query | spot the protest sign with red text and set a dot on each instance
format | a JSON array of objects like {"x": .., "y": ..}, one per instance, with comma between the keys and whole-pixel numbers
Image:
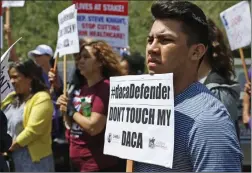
[{"x": 103, "y": 20}]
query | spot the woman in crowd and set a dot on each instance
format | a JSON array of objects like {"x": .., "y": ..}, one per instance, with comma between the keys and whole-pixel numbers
[
  {"x": 216, "y": 72},
  {"x": 88, "y": 108},
  {"x": 75, "y": 82},
  {"x": 29, "y": 113},
  {"x": 43, "y": 56},
  {"x": 133, "y": 64}
]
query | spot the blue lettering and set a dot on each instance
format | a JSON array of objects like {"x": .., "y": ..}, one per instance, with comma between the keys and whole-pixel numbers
[
  {"x": 80, "y": 18},
  {"x": 95, "y": 19},
  {"x": 115, "y": 20}
]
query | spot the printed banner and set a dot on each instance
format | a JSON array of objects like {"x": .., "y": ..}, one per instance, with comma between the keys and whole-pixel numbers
[
  {"x": 103, "y": 20},
  {"x": 237, "y": 23},
  {"x": 140, "y": 122},
  {"x": 6, "y": 86},
  {"x": 68, "y": 40}
]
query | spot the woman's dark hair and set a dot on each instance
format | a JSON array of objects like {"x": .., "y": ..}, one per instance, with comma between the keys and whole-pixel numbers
[
  {"x": 106, "y": 55},
  {"x": 31, "y": 70},
  {"x": 52, "y": 61},
  {"x": 218, "y": 55},
  {"x": 135, "y": 62},
  {"x": 78, "y": 80}
]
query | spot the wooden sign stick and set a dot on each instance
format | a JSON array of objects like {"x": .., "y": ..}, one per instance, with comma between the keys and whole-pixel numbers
[
  {"x": 65, "y": 76},
  {"x": 66, "y": 118},
  {"x": 129, "y": 167},
  {"x": 54, "y": 71},
  {"x": 7, "y": 21}
]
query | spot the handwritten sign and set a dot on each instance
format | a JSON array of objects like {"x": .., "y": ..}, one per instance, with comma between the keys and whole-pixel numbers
[
  {"x": 104, "y": 20},
  {"x": 237, "y": 23},
  {"x": 140, "y": 121},
  {"x": 68, "y": 40},
  {"x": 6, "y": 86},
  {"x": 11, "y": 3}
]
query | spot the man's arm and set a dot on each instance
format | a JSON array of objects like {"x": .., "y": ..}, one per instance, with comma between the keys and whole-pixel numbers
[
  {"x": 246, "y": 103},
  {"x": 213, "y": 144},
  {"x": 229, "y": 99},
  {"x": 13, "y": 55}
]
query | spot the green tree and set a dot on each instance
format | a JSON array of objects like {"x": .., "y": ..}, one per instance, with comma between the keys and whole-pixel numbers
[{"x": 37, "y": 22}]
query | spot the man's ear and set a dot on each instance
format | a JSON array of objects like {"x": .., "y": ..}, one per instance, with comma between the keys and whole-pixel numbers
[{"x": 198, "y": 52}]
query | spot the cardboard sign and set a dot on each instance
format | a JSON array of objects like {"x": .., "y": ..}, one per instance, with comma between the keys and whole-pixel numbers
[
  {"x": 68, "y": 40},
  {"x": 11, "y": 3},
  {"x": 237, "y": 23},
  {"x": 140, "y": 121},
  {"x": 104, "y": 20}
]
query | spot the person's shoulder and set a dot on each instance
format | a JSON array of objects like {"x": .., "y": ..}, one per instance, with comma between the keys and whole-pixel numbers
[
  {"x": 103, "y": 89},
  {"x": 104, "y": 84},
  {"x": 41, "y": 95},
  {"x": 195, "y": 100}
]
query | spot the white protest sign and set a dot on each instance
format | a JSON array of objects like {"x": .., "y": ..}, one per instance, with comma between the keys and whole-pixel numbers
[
  {"x": 6, "y": 86},
  {"x": 237, "y": 23},
  {"x": 104, "y": 20},
  {"x": 140, "y": 122},
  {"x": 11, "y": 3},
  {"x": 68, "y": 40}
]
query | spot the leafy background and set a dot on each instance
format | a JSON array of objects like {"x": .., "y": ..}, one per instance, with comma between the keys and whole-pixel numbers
[{"x": 37, "y": 23}]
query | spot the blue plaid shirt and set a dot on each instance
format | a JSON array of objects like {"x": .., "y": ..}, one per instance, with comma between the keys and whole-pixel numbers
[{"x": 205, "y": 136}]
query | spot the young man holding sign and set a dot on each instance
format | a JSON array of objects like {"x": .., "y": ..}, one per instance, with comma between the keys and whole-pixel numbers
[{"x": 205, "y": 137}]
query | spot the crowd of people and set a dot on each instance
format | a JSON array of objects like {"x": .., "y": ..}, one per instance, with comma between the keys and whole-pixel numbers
[{"x": 181, "y": 41}]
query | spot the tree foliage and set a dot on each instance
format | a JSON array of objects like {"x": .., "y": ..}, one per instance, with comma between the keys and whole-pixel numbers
[{"x": 37, "y": 22}]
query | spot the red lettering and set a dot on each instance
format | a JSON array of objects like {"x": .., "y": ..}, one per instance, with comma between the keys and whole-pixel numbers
[
  {"x": 83, "y": 33},
  {"x": 236, "y": 20},
  {"x": 106, "y": 34},
  {"x": 108, "y": 27},
  {"x": 88, "y": 25}
]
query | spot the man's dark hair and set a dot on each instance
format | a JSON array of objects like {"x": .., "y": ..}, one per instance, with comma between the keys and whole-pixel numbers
[{"x": 193, "y": 19}]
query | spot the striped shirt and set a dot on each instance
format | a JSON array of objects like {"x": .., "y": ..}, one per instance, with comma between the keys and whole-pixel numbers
[{"x": 205, "y": 136}]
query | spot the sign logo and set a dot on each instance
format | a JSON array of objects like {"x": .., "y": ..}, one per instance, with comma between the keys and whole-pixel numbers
[
  {"x": 152, "y": 143},
  {"x": 109, "y": 137}
]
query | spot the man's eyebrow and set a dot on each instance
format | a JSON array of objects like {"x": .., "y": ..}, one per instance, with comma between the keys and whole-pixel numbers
[
  {"x": 165, "y": 34},
  {"x": 161, "y": 35}
]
